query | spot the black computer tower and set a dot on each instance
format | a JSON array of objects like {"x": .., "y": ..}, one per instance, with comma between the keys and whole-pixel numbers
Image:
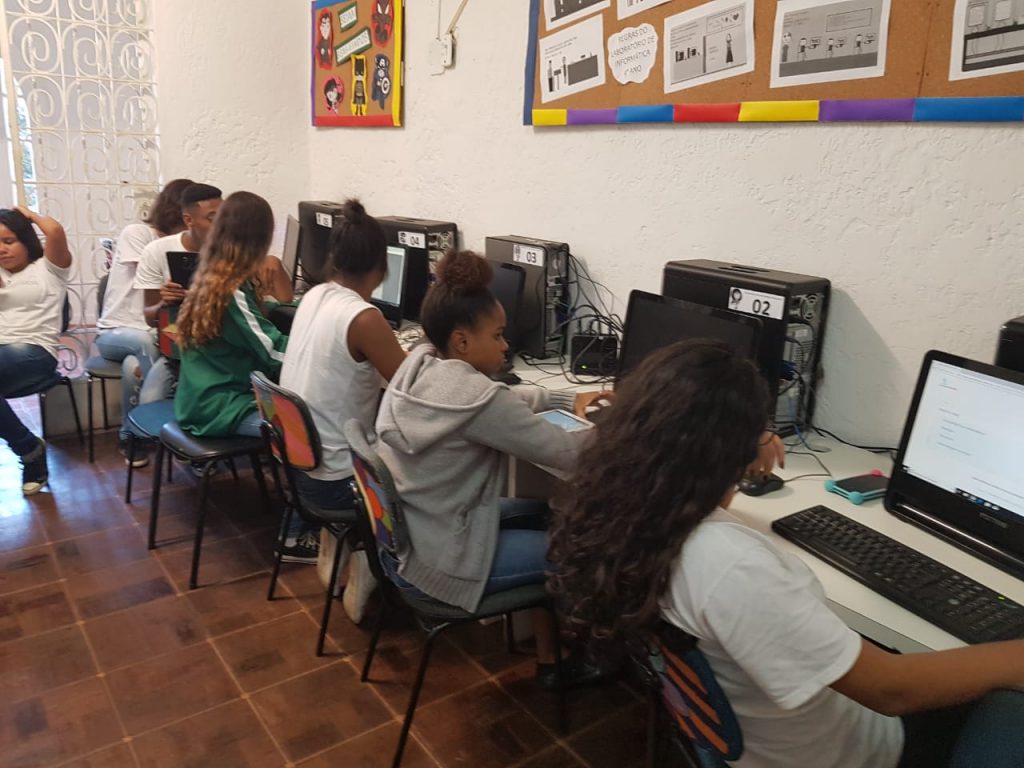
[
  {"x": 425, "y": 242},
  {"x": 543, "y": 310},
  {"x": 316, "y": 220},
  {"x": 793, "y": 309},
  {"x": 1010, "y": 352}
]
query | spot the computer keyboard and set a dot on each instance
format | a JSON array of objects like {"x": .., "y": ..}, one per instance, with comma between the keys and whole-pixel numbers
[{"x": 948, "y": 599}]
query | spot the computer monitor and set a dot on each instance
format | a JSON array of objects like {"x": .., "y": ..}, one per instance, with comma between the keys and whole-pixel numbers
[
  {"x": 958, "y": 469},
  {"x": 389, "y": 294},
  {"x": 507, "y": 287},
  {"x": 290, "y": 255},
  {"x": 654, "y": 321}
]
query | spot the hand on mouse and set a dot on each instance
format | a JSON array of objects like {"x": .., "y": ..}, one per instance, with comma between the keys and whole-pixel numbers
[
  {"x": 586, "y": 399},
  {"x": 770, "y": 452}
]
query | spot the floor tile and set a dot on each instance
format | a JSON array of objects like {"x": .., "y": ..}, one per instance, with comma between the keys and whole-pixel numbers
[
  {"x": 373, "y": 750},
  {"x": 616, "y": 742},
  {"x": 32, "y": 611},
  {"x": 482, "y": 727},
  {"x": 80, "y": 511},
  {"x": 553, "y": 757},
  {"x": 19, "y": 527},
  {"x": 176, "y": 532},
  {"x": 119, "y": 756},
  {"x": 268, "y": 653},
  {"x": 486, "y": 644},
  {"x": 147, "y": 630},
  {"x": 313, "y": 712},
  {"x": 40, "y": 663},
  {"x": 96, "y": 551},
  {"x": 394, "y": 670},
  {"x": 238, "y": 604},
  {"x": 57, "y": 726},
  {"x": 115, "y": 589},
  {"x": 220, "y": 561},
  {"x": 586, "y": 705},
  {"x": 229, "y": 736},
  {"x": 24, "y": 568},
  {"x": 170, "y": 688}
]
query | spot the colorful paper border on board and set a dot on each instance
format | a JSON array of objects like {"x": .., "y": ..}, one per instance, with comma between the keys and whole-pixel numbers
[{"x": 971, "y": 109}]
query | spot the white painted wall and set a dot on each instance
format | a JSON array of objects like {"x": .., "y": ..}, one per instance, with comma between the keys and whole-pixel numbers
[{"x": 920, "y": 228}]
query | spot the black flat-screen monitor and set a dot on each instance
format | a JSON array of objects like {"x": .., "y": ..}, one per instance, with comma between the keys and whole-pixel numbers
[
  {"x": 654, "y": 321},
  {"x": 507, "y": 287},
  {"x": 389, "y": 296}
]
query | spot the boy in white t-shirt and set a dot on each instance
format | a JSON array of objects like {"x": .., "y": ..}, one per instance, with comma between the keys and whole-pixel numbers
[
  {"x": 125, "y": 337},
  {"x": 33, "y": 289},
  {"x": 644, "y": 537}
]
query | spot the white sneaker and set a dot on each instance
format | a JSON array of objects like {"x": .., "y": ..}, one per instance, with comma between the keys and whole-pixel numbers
[
  {"x": 359, "y": 587},
  {"x": 325, "y": 559}
]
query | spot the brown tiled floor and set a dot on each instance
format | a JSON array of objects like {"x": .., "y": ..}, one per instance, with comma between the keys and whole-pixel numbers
[{"x": 107, "y": 660}]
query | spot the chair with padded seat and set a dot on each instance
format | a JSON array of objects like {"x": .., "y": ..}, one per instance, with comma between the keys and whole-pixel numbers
[
  {"x": 98, "y": 368},
  {"x": 293, "y": 442},
  {"x": 689, "y": 712},
  {"x": 56, "y": 379},
  {"x": 382, "y": 526}
]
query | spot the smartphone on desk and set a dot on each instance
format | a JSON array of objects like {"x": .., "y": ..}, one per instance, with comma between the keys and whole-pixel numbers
[
  {"x": 570, "y": 422},
  {"x": 183, "y": 265}
]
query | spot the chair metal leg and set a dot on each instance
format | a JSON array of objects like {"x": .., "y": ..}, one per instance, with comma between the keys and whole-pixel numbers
[
  {"x": 510, "y": 634},
  {"x": 204, "y": 485},
  {"x": 154, "y": 501},
  {"x": 234, "y": 469},
  {"x": 131, "y": 467},
  {"x": 42, "y": 411},
  {"x": 103, "y": 394},
  {"x": 414, "y": 695},
  {"x": 89, "y": 410},
  {"x": 329, "y": 598},
  {"x": 372, "y": 650},
  {"x": 563, "y": 709},
  {"x": 257, "y": 470},
  {"x": 170, "y": 466},
  {"x": 282, "y": 534},
  {"x": 74, "y": 410}
]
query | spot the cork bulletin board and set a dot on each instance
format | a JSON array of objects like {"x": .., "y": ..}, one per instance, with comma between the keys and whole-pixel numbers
[
  {"x": 640, "y": 61},
  {"x": 356, "y": 63}
]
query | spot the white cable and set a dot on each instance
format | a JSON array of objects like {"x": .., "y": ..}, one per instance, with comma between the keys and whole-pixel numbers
[{"x": 455, "y": 18}]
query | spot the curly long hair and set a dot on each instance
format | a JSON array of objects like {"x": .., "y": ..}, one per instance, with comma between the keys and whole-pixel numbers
[
  {"x": 165, "y": 215},
  {"x": 684, "y": 427},
  {"x": 237, "y": 245}
]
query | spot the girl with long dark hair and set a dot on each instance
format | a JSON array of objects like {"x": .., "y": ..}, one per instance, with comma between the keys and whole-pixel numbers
[{"x": 645, "y": 536}]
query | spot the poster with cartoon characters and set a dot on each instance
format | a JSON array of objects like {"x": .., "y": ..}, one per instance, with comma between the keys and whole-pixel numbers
[{"x": 357, "y": 63}]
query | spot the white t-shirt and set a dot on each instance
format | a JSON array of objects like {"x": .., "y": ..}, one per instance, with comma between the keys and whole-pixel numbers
[
  {"x": 153, "y": 271},
  {"x": 32, "y": 304},
  {"x": 762, "y": 622},
  {"x": 320, "y": 369},
  {"x": 123, "y": 303}
]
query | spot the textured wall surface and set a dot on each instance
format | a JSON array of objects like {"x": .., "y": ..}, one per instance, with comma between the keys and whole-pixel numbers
[{"x": 920, "y": 228}]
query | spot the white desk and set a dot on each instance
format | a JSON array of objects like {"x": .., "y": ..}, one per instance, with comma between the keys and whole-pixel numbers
[{"x": 861, "y": 608}]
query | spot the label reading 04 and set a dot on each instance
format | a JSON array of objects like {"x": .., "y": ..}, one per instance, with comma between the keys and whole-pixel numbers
[
  {"x": 528, "y": 254},
  {"x": 412, "y": 239},
  {"x": 756, "y": 303}
]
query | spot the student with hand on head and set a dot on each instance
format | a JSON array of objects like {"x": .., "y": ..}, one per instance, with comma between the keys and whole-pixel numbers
[
  {"x": 445, "y": 428},
  {"x": 222, "y": 332},
  {"x": 645, "y": 536},
  {"x": 341, "y": 352},
  {"x": 124, "y": 335},
  {"x": 33, "y": 289}
]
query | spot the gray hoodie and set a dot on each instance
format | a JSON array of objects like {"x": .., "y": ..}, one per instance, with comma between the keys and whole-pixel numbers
[{"x": 444, "y": 429}]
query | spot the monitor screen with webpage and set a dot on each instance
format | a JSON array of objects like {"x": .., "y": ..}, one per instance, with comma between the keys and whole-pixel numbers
[
  {"x": 958, "y": 471},
  {"x": 388, "y": 296}
]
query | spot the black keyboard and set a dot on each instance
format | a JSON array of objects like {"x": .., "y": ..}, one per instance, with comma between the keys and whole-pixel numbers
[{"x": 948, "y": 599}]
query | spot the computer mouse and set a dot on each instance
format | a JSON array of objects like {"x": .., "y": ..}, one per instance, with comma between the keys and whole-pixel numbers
[
  {"x": 759, "y": 486},
  {"x": 507, "y": 377}
]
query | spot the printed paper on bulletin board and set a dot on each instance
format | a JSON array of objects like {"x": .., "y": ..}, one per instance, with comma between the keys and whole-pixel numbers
[
  {"x": 604, "y": 61},
  {"x": 357, "y": 62}
]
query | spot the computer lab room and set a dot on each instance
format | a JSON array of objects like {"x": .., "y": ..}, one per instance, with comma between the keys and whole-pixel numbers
[{"x": 533, "y": 384}]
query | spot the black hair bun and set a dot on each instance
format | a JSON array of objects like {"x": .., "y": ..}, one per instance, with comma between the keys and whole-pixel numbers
[
  {"x": 353, "y": 211},
  {"x": 464, "y": 272}
]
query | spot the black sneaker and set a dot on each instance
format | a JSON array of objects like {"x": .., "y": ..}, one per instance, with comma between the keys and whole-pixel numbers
[
  {"x": 576, "y": 673},
  {"x": 304, "y": 549},
  {"x": 33, "y": 470},
  {"x": 141, "y": 454}
]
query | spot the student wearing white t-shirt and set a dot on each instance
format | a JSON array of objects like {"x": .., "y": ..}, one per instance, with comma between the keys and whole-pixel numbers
[
  {"x": 644, "y": 536},
  {"x": 125, "y": 337},
  {"x": 33, "y": 288},
  {"x": 341, "y": 352}
]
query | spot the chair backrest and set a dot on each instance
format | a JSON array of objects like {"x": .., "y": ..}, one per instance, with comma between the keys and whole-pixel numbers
[
  {"x": 65, "y": 315},
  {"x": 294, "y": 439},
  {"x": 101, "y": 293},
  {"x": 377, "y": 495},
  {"x": 167, "y": 332},
  {"x": 692, "y": 697}
]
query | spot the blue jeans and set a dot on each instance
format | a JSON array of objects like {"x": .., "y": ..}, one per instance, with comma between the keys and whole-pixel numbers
[
  {"x": 22, "y": 367},
  {"x": 250, "y": 425},
  {"x": 136, "y": 350},
  {"x": 984, "y": 733},
  {"x": 325, "y": 494}
]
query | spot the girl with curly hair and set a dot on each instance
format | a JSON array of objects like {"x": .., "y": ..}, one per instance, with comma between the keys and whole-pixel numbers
[
  {"x": 222, "y": 331},
  {"x": 645, "y": 537}
]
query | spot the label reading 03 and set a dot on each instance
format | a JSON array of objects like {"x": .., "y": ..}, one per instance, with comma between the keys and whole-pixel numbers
[
  {"x": 412, "y": 239},
  {"x": 528, "y": 254},
  {"x": 756, "y": 303}
]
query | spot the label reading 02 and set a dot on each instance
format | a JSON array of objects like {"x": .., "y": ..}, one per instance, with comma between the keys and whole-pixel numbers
[
  {"x": 528, "y": 254},
  {"x": 756, "y": 303},
  {"x": 412, "y": 239}
]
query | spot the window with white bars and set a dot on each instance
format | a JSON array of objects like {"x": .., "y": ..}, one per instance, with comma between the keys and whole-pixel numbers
[{"x": 80, "y": 108}]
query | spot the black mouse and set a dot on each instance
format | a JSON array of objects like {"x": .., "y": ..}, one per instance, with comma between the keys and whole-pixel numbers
[
  {"x": 507, "y": 377},
  {"x": 759, "y": 486}
]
